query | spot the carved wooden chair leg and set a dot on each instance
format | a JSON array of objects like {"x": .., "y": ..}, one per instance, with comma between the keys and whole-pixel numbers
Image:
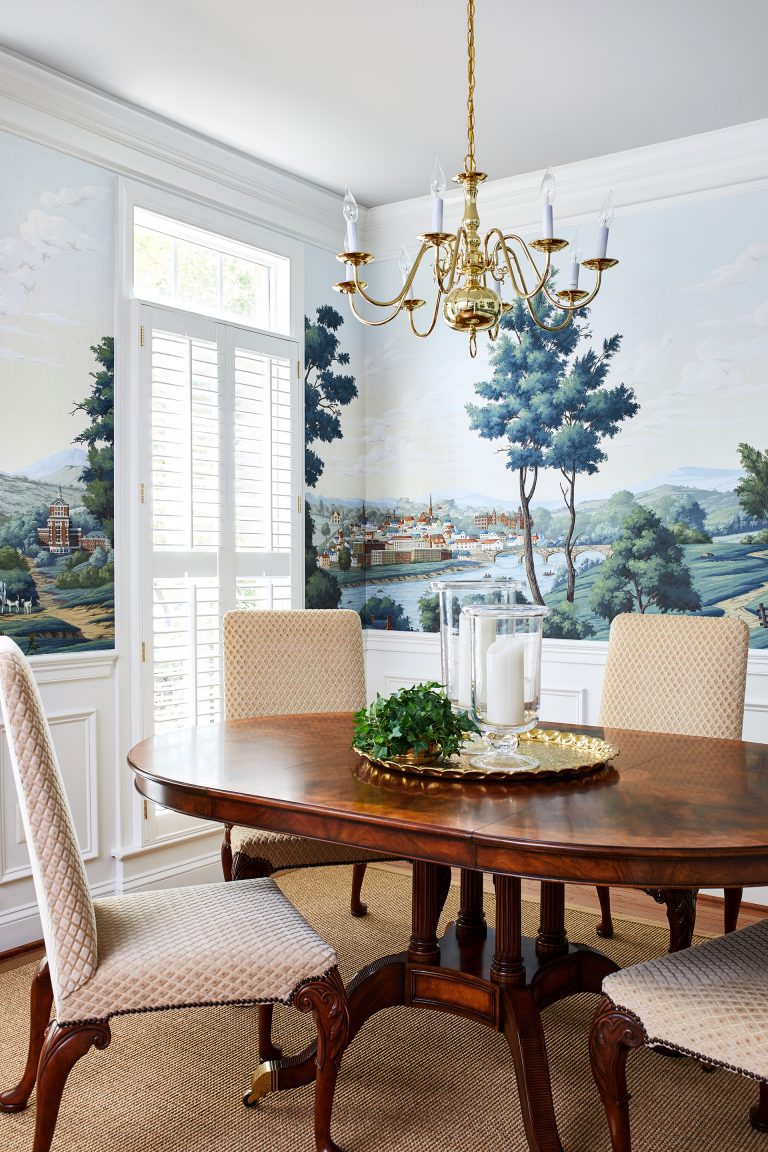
[
  {"x": 758, "y": 1114},
  {"x": 356, "y": 906},
  {"x": 611, "y": 1037},
  {"x": 605, "y": 927},
  {"x": 267, "y": 1049},
  {"x": 731, "y": 908},
  {"x": 226, "y": 853},
  {"x": 63, "y": 1046},
  {"x": 327, "y": 1001},
  {"x": 40, "y": 1002}
]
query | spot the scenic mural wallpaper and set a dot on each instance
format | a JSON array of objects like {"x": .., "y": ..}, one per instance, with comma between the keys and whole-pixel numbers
[
  {"x": 620, "y": 465},
  {"x": 56, "y": 430}
]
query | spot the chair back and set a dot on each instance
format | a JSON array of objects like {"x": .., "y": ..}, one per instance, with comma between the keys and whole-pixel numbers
[
  {"x": 683, "y": 674},
  {"x": 285, "y": 662},
  {"x": 66, "y": 908}
]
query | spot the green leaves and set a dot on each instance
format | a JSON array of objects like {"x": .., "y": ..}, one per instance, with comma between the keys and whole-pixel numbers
[{"x": 411, "y": 720}]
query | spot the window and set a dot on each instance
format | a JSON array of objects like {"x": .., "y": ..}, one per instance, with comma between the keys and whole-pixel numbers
[
  {"x": 187, "y": 267},
  {"x": 220, "y": 460}
]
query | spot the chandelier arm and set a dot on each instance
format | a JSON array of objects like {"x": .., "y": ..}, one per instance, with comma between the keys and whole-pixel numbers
[
  {"x": 541, "y": 277},
  {"x": 373, "y": 323},
  {"x": 423, "y": 335},
  {"x": 402, "y": 294},
  {"x": 454, "y": 247},
  {"x": 550, "y": 327}
]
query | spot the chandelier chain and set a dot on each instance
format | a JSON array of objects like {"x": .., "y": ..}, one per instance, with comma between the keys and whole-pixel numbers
[{"x": 469, "y": 159}]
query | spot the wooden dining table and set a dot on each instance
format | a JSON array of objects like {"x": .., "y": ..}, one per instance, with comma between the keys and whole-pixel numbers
[{"x": 669, "y": 813}]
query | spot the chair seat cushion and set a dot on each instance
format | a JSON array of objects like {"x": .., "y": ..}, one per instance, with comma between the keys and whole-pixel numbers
[
  {"x": 709, "y": 1001},
  {"x": 209, "y": 944},
  {"x": 295, "y": 851}
]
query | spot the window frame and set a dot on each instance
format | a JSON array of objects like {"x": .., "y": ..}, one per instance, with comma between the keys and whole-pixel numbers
[{"x": 139, "y": 827}]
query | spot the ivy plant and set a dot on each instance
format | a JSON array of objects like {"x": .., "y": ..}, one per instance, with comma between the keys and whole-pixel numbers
[{"x": 412, "y": 720}]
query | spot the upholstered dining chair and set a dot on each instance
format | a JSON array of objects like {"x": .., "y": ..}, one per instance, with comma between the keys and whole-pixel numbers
[
  {"x": 145, "y": 951},
  {"x": 680, "y": 674},
  {"x": 707, "y": 1001},
  {"x": 285, "y": 662}
]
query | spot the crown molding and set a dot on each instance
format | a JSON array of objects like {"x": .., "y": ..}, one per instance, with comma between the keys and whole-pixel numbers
[
  {"x": 50, "y": 108},
  {"x": 695, "y": 167}
]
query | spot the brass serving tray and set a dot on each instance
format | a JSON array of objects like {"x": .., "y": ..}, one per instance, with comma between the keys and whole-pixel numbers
[{"x": 559, "y": 754}]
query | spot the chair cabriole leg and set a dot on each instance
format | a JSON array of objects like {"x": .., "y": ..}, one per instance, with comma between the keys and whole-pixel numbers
[
  {"x": 226, "y": 853},
  {"x": 605, "y": 927},
  {"x": 268, "y": 1050},
  {"x": 612, "y": 1035},
  {"x": 731, "y": 908},
  {"x": 327, "y": 1001},
  {"x": 40, "y": 1002},
  {"x": 63, "y": 1046},
  {"x": 356, "y": 905}
]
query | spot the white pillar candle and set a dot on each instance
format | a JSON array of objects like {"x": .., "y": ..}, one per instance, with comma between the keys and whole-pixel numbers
[
  {"x": 464, "y": 678},
  {"x": 505, "y": 664},
  {"x": 485, "y": 636}
]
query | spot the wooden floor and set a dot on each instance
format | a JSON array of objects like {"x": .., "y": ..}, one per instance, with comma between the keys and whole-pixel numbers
[{"x": 629, "y": 902}]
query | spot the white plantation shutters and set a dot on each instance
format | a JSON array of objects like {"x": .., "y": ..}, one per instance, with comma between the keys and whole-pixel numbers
[{"x": 222, "y": 518}]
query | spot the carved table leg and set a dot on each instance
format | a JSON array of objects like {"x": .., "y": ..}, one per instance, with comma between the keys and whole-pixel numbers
[
  {"x": 471, "y": 919},
  {"x": 428, "y": 898},
  {"x": 507, "y": 966},
  {"x": 41, "y": 1000},
  {"x": 612, "y": 1035},
  {"x": 552, "y": 939}
]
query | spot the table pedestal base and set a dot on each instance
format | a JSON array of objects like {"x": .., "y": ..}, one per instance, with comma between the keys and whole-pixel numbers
[{"x": 497, "y": 978}]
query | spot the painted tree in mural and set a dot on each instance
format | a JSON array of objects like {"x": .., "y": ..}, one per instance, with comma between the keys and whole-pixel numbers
[
  {"x": 322, "y": 587},
  {"x": 645, "y": 570},
  {"x": 326, "y": 391},
  {"x": 99, "y": 473},
  {"x": 528, "y": 363},
  {"x": 585, "y": 414},
  {"x": 752, "y": 489},
  {"x": 553, "y": 409}
]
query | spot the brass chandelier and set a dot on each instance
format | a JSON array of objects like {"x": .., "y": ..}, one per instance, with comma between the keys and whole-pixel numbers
[{"x": 465, "y": 266}]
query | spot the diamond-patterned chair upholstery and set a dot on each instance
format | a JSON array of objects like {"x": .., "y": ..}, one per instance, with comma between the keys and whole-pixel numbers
[
  {"x": 287, "y": 662},
  {"x": 677, "y": 674},
  {"x": 708, "y": 1001},
  {"x": 212, "y": 944}
]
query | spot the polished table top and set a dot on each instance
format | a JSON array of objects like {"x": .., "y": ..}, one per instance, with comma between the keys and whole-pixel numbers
[{"x": 667, "y": 811}]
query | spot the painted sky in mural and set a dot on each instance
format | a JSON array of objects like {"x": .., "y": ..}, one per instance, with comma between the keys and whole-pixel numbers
[
  {"x": 690, "y": 301},
  {"x": 56, "y": 306}
]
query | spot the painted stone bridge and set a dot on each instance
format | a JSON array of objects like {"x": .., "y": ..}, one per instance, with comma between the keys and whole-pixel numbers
[{"x": 547, "y": 550}]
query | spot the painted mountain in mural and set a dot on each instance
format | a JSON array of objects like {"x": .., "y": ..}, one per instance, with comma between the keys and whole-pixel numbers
[{"x": 60, "y": 468}]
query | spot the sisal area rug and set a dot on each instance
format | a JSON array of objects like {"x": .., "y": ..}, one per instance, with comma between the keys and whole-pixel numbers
[{"x": 412, "y": 1081}]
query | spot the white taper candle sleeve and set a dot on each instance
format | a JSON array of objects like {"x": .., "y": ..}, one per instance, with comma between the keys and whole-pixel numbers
[
  {"x": 547, "y": 224},
  {"x": 437, "y": 213},
  {"x": 352, "y": 236},
  {"x": 602, "y": 243}
]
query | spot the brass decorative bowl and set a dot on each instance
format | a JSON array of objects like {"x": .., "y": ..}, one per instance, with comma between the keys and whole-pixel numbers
[{"x": 559, "y": 754}]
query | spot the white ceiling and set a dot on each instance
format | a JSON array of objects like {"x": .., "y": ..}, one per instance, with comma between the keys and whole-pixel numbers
[{"x": 367, "y": 93}]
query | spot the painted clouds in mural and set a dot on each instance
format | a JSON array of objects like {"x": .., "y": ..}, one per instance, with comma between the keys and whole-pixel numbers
[
  {"x": 624, "y": 468},
  {"x": 56, "y": 433}
]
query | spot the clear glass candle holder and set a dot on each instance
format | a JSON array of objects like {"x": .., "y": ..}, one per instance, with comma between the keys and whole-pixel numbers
[
  {"x": 505, "y": 678},
  {"x": 453, "y": 595}
]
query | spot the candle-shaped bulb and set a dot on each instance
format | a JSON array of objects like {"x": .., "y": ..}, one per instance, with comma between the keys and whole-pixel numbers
[
  {"x": 547, "y": 200},
  {"x": 606, "y": 212},
  {"x": 575, "y": 262},
  {"x": 437, "y": 187},
  {"x": 606, "y": 219},
  {"x": 350, "y": 215},
  {"x": 404, "y": 264},
  {"x": 437, "y": 180}
]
